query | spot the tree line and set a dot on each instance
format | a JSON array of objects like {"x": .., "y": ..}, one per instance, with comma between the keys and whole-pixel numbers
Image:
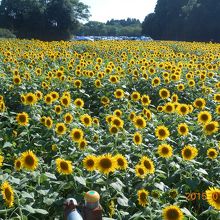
[{"x": 189, "y": 20}]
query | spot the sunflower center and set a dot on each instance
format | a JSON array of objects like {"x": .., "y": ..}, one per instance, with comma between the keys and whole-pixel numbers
[
  {"x": 90, "y": 163},
  {"x": 22, "y": 118},
  {"x": 147, "y": 164},
  {"x": 77, "y": 135},
  {"x": 210, "y": 127},
  {"x": 120, "y": 162},
  {"x": 8, "y": 194},
  {"x": 187, "y": 153},
  {"x": 86, "y": 120},
  {"x": 106, "y": 163},
  {"x": 141, "y": 171},
  {"x": 143, "y": 197},
  {"x": 60, "y": 128},
  {"x": 172, "y": 214},
  {"x": 29, "y": 160},
  {"x": 140, "y": 122},
  {"x": 30, "y": 99},
  {"x": 162, "y": 132},
  {"x": 64, "y": 165},
  {"x": 183, "y": 129},
  {"x": 165, "y": 150},
  {"x": 204, "y": 117}
]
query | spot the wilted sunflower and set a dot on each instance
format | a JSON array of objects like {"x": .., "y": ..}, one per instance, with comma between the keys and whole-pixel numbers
[
  {"x": 64, "y": 166},
  {"x": 1, "y": 160},
  {"x": 211, "y": 127},
  {"x": 119, "y": 93},
  {"x": 148, "y": 164},
  {"x": 60, "y": 128},
  {"x": 204, "y": 117},
  {"x": 106, "y": 163},
  {"x": 165, "y": 150},
  {"x": 137, "y": 138},
  {"x": 172, "y": 212},
  {"x": 142, "y": 197},
  {"x": 139, "y": 122},
  {"x": 183, "y": 129},
  {"x": 121, "y": 161},
  {"x": 7, "y": 193},
  {"x": 22, "y": 118},
  {"x": 89, "y": 163},
  {"x": 29, "y": 160},
  {"x": 18, "y": 164},
  {"x": 212, "y": 153},
  {"x": 189, "y": 152},
  {"x": 86, "y": 120},
  {"x": 77, "y": 134},
  {"x": 199, "y": 103},
  {"x": 68, "y": 118},
  {"x": 164, "y": 93},
  {"x": 213, "y": 197},
  {"x": 162, "y": 132},
  {"x": 140, "y": 171},
  {"x": 173, "y": 193}
]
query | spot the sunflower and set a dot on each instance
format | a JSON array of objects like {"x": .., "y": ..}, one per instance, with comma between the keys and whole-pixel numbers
[
  {"x": 135, "y": 96},
  {"x": 79, "y": 103},
  {"x": 89, "y": 163},
  {"x": 182, "y": 109},
  {"x": 65, "y": 101},
  {"x": 173, "y": 193},
  {"x": 58, "y": 109},
  {"x": 48, "y": 99},
  {"x": 139, "y": 122},
  {"x": 211, "y": 127},
  {"x": 155, "y": 193},
  {"x": 60, "y": 128},
  {"x": 169, "y": 107},
  {"x": 30, "y": 98},
  {"x": 68, "y": 118},
  {"x": 106, "y": 164},
  {"x": 122, "y": 163},
  {"x": 212, "y": 153},
  {"x": 113, "y": 129},
  {"x": 137, "y": 138},
  {"x": 165, "y": 150},
  {"x": 22, "y": 118},
  {"x": 189, "y": 152},
  {"x": 98, "y": 83},
  {"x": 174, "y": 98},
  {"x": 77, "y": 83},
  {"x": 119, "y": 93},
  {"x": 39, "y": 95},
  {"x": 164, "y": 93},
  {"x": 204, "y": 117},
  {"x": 77, "y": 134},
  {"x": 172, "y": 212},
  {"x": 117, "y": 121},
  {"x": 17, "y": 80},
  {"x": 82, "y": 144},
  {"x": 217, "y": 110},
  {"x": 183, "y": 129},
  {"x": 117, "y": 112},
  {"x": 131, "y": 116},
  {"x": 140, "y": 171},
  {"x": 55, "y": 95},
  {"x": 64, "y": 166},
  {"x": 18, "y": 164},
  {"x": 148, "y": 164},
  {"x": 162, "y": 132},
  {"x": 213, "y": 197},
  {"x": 7, "y": 193},
  {"x": 145, "y": 100},
  {"x": 155, "y": 81},
  {"x": 29, "y": 160},
  {"x": 86, "y": 120},
  {"x": 48, "y": 122},
  {"x": 105, "y": 100},
  {"x": 217, "y": 97},
  {"x": 199, "y": 103},
  {"x": 159, "y": 108},
  {"x": 142, "y": 197},
  {"x": 180, "y": 87},
  {"x": 1, "y": 160}
]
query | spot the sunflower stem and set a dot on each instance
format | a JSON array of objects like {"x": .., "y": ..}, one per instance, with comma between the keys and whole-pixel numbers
[{"x": 19, "y": 206}]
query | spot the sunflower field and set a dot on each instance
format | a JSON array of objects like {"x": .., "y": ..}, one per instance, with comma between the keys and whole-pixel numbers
[{"x": 136, "y": 121}]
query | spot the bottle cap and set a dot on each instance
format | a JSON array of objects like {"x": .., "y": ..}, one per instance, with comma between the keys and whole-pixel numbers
[{"x": 92, "y": 196}]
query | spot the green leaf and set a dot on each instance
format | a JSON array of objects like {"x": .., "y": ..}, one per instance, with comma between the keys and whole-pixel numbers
[
  {"x": 15, "y": 180},
  {"x": 188, "y": 213},
  {"x": 7, "y": 144},
  {"x": 123, "y": 201},
  {"x": 50, "y": 175},
  {"x": 80, "y": 180},
  {"x": 29, "y": 209},
  {"x": 26, "y": 195},
  {"x": 116, "y": 186},
  {"x": 41, "y": 211},
  {"x": 43, "y": 192}
]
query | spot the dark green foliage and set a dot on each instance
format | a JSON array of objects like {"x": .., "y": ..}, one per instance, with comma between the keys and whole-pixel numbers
[
  {"x": 5, "y": 33},
  {"x": 42, "y": 19},
  {"x": 129, "y": 27},
  {"x": 191, "y": 20}
]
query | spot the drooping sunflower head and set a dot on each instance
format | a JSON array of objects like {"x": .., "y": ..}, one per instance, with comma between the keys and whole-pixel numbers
[
  {"x": 172, "y": 212},
  {"x": 189, "y": 152},
  {"x": 213, "y": 197},
  {"x": 162, "y": 132},
  {"x": 29, "y": 160},
  {"x": 165, "y": 150},
  {"x": 89, "y": 162},
  {"x": 64, "y": 166},
  {"x": 142, "y": 197}
]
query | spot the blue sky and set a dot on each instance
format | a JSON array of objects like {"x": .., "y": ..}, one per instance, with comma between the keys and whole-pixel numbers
[{"x": 103, "y": 10}]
